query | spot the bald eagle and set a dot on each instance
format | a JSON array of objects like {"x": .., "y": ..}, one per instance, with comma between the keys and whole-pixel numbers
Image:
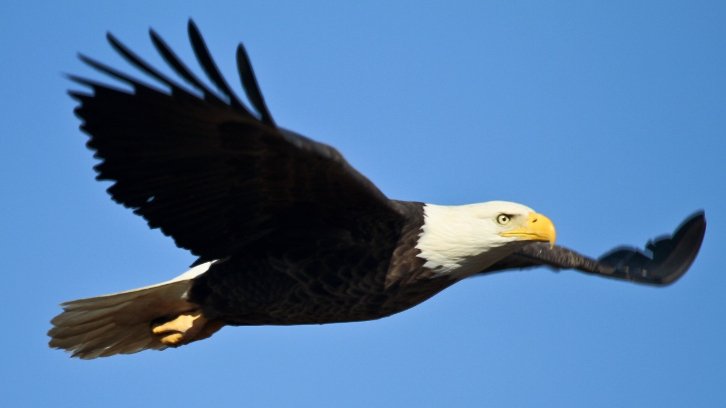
[{"x": 285, "y": 230}]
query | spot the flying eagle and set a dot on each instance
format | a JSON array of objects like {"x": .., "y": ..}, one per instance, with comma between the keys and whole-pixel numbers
[{"x": 285, "y": 230}]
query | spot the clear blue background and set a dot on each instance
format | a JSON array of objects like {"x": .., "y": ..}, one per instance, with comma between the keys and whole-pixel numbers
[{"x": 609, "y": 116}]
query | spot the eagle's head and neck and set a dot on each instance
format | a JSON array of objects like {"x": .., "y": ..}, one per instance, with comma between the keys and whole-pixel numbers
[{"x": 459, "y": 241}]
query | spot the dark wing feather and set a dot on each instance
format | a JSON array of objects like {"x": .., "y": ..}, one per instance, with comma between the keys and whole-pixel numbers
[
  {"x": 210, "y": 68},
  {"x": 208, "y": 172},
  {"x": 139, "y": 63},
  {"x": 249, "y": 82},
  {"x": 663, "y": 261}
]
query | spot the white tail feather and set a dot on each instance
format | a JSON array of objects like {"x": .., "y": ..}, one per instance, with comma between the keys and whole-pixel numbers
[{"x": 120, "y": 323}]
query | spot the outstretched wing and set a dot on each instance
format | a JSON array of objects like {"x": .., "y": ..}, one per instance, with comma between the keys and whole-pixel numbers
[
  {"x": 208, "y": 171},
  {"x": 663, "y": 261}
]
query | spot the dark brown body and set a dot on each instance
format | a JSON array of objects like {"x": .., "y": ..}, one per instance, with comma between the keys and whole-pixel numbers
[{"x": 336, "y": 276}]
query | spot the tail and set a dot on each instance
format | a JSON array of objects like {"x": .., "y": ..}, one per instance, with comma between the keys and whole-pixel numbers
[{"x": 121, "y": 323}]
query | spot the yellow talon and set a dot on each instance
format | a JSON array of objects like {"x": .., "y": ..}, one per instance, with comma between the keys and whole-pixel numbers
[
  {"x": 172, "y": 339},
  {"x": 186, "y": 328},
  {"x": 181, "y": 324}
]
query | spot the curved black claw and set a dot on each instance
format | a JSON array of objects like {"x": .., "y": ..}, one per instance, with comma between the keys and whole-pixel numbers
[{"x": 666, "y": 258}]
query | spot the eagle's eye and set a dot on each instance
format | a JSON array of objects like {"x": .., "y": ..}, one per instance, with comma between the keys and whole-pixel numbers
[{"x": 503, "y": 219}]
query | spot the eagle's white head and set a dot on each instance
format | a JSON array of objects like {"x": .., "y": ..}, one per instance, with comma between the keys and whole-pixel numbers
[{"x": 465, "y": 239}]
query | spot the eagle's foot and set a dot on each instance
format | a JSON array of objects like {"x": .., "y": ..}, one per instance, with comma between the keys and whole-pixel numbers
[{"x": 186, "y": 328}]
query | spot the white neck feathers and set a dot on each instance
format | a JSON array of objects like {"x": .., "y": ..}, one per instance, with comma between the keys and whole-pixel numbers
[{"x": 460, "y": 241}]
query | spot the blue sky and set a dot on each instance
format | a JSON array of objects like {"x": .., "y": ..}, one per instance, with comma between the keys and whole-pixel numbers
[{"x": 606, "y": 116}]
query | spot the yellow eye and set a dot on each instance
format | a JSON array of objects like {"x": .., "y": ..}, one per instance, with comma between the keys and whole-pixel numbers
[{"x": 503, "y": 219}]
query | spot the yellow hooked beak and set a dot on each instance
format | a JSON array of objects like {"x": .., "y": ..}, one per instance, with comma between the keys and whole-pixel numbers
[{"x": 536, "y": 228}]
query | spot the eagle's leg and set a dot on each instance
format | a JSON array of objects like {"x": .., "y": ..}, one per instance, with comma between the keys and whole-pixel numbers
[{"x": 186, "y": 328}]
